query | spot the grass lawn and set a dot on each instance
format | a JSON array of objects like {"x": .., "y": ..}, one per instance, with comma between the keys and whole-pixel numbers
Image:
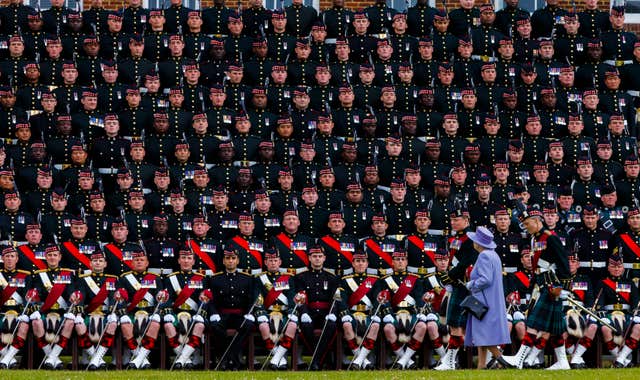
[{"x": 590, "y": 374}]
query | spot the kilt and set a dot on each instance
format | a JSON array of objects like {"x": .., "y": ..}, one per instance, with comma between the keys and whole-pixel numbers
[
  {"x": 546, "y": 315},
  {"x": 456, "y": 315}
]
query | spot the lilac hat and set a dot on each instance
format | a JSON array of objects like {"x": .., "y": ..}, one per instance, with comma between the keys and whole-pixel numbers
[{"x": 482, "y": 237}]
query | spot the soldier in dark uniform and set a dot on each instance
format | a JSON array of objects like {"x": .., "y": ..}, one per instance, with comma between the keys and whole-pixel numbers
[
  {"x": 233, "y": 296},
  {"x": 137, "y": 218},
  {"x": 320, "y": 310},
  {"x": 611, "y": 214},
  {"x": 300, "y": 18},
  {"x": 312, "y": 216},
  {"x": 356, "y": 212},
  {"x": 280, "y": 43},
  {"x": 17, "y": 294},
  {"x": 337, "y": 19},
  {"x": 131, "y": 69},
  {"x": 161, "y": 248},
  {"x": 135, "y": 18},
  {"x": 248, "y": 248},
  {"x": 255, "y": 17},
  {"x": 361, "y": 43},
  {"x": 593, "y": 21},
  {"x": 292, "y": 245},
  {"x": 422, "y": 246},
  {"x": 338, "y": 246},
  {"x": 188, "y": 296},
  {"x": 14, "y": 220},
  {"x": 617, "y": 45},
  {"x": 592, "y": 241},
  {"x": 506, "y": 17},
  {"x": 114, "y": 39},
  {"x": 266, "y": 220},
  {"x": 380, "y": 16},
  {"x": 619, "y": 295},
  {"x": 551, "y": 266},
  {"x": 76, "y": 252},
  {"x": 142, "y": 290},
  {"x": 464, "y": 255},
  {"x": 572, "y": 47},
  {"x": 98, "y": 222},
  {"x": 120, "y": 251},
  {"x": 629, "y": 185},
  {"x": 420, "y": 19},
  {"x": 379, "y": 246}
]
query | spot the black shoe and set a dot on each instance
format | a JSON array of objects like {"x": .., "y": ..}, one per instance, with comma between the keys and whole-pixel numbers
[
  {"x": 60, "y": 367},
  {"x": 617, "y": 364},
  {"x": 578, "y": 365},
  {"x": 48, "y": 366},
  {"x": 314, "y": 367},
  {"x": 3, "y": 366},
  {"x": 177, "y": 366},
  {"x": 189, "y": 366},
  {"x": 92, "y": 367},
  {"x": 501, "y": 361},
  {"x": 131, "y": 366},
  {"x": 303, "y": 366}
]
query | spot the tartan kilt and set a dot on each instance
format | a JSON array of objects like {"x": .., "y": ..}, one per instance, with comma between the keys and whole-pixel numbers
[
  {"x": 546, "y": 315},
  {"x": 456, "y": 315}
]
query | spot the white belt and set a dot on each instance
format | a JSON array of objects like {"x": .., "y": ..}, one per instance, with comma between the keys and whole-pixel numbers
[
  {"x": 297, "y": 270},
  {"x": 159, "y": 271},
  {"x": 107, "y": 170},
  {"x": 614, "y": 62},
  {"x": 545, "y": 266},
  {"x": 631, "y": 265},
  {"x": 58, "y": 166},
  {"x": 411, "y": 269},
  {"x": 566, "y": 303},
  {"x": 615, "y": 307},
  {"x": 379, "y": 271},
  {"x": 251, "y": 271},
  {"x": 633, "y": 93},
  {"x": 510, "y": 269},
  {"x": 593, "y": 264}
]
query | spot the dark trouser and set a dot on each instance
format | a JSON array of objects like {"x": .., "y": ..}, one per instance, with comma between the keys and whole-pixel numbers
[
  {"x": 309, "y": 339},
  {"x": 243, "y": 328}
]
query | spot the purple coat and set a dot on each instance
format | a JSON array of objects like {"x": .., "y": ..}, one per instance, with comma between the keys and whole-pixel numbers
[{"x": 486, "y": 285}]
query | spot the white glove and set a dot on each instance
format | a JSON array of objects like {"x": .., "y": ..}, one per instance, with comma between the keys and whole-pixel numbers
[
  {"x": 70, "y": 316},
  {"x": 590, "y": 319},
  {"x": 448, "y": 288},
  {"x": 155, "y": 318},
  {"x": 509, "y": 317},
  {"x": 215, "y": 318},
  {"x": 264, "y": 319},
  {"x": 79, "y": 320},
  {"x": 431, "y": 317},
  {"x": 23, "y": 318},
  {"x": 331, "y": 317},
  {"x": 169, "y": 318},
  {"x": 305, "y": 318},
  {"x": 112, "y": 318},
  {"x": 564, "y": 294},
  {"x": 347, "y": 319},
  {"x": 198, "y": 318},
  {"x": 636, "y": 319},
  {"x": 293, "y": 318},
  {"x": 125, "y": 319},
  {"x": 518, "y": 316},
  {"x": 35, "y": 315},
  {"x": 375, "y": 319},
  {"x": 250, "y": 317},
  {"x": 607, "y": 320},
  {"x": 388, "y": 318},
  {"x": 421, "y": 317}
]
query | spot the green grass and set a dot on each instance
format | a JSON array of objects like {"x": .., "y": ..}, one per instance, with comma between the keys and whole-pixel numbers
[{"x": 590, "y": 374}]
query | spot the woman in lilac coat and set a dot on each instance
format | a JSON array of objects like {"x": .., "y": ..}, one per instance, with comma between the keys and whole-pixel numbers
[{"x": 486, "y": 285}]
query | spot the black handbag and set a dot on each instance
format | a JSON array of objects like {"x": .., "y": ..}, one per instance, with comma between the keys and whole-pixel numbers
[{"x": 473, "y": 305}]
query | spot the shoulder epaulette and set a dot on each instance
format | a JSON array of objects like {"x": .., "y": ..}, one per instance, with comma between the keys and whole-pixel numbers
[
  {"x": 23, "y": 271},
  {"x": 84, "y": 275},
  {"x": 126, "y": 273},
  {"x": 328, "y": 271},
  {"x": 40, "y": 271},
  {"x": 548, "y": 232},
  {"x": 245, "y": 273},
  {"x": 218, "y": 273},
  {"x": 347, "y": 276},
  {"x": 173, "y": 274},
  {"x": 111, "y": 275},
  {"x": 373, "y": 275},
  {"x": 303, "y": 270}
]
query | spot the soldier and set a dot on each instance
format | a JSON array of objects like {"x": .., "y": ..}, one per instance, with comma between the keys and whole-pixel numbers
[
  {"x": 550, "y": 264},
  {"x": 145, "y": 294},
  {"x": 161, "y": 248},
  {"x": 629, "y": 186},
  {"x": 277, "y": 328},
  {"x": 592, "y": 241},
  {"x": 248, "y": 249},
  {"x": 14, "y": 221},
  {"x": 617, "y": 45},
  {"x": 338, "y": 246},
  {"x": 17, "y": 297},
  {"x": 54, "y": 289},
  {"x": 76, "y": 252},
  {"x": 379, "y": 246},
  {"x": 300, "y": 18},
  {"x": 619, "y": 294},
  {"x": 463, "y": 256},
  {"x": 404, "y": 319},
  {"x": 611, "y": 214},
  {"x": 356, "y": 212},
  {"x": 380, "y": 16},
  {"x": 582, "y": 290},
  {"x": 519, "y": 287},
  {"x": 187, "y": 312},
  {"x": 337, "y": 20},
  {"x": 359, "y": 308},
  {"x": 205, "y": 249},
  {"x": 32, "y": 253},
  {"x": 96, "y": 289},
  {"x": 120, "y": 252},
  {"x": 292, "y": 245},
  {"x": 313, "y": 218},
  {"x": 320, "y": 287},
  {"x": 233, "y": 302},
  {"x": 422, "y": 246}
]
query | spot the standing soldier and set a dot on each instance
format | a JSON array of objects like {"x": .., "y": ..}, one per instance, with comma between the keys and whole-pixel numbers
[
  {"x": 592, "y": 241},
  {"x": 627, "y": 243},
  {"x": 463, "y": 256},
  {"x": 550, "y": 264},
  {"x": 16, "y": 294}
]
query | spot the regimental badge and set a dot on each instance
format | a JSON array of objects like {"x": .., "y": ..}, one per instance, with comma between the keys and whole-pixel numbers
[
  {"x": 347, "y": 247},
  {"x": 194, "y": 284},
  {"x": 148, "y": 284},
  {"x": 127, "y": 255},
  {"x": 167, "y": 252},
  {"x": 298, "y": 246},
  {"x": 603, "y": 244},
  {"x": 388, "y": 247},
  {"x": 577, "y": 285}
]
